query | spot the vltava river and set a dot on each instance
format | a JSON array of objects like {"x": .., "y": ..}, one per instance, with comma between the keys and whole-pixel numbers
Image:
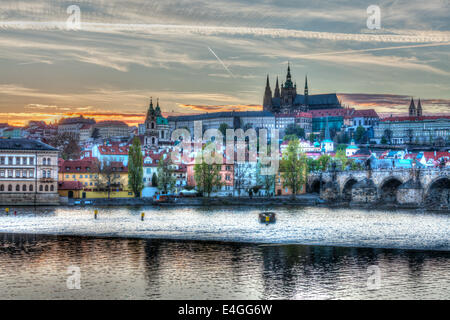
[{"x": 225, "y": 253}]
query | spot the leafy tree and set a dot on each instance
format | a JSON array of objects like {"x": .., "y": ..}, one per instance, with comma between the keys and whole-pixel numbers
[
  {"x": 294, "y": 168},
  {"x": 223, "y": 128},
  {"x": 154, "y": 180},
  {"x": 312, "y": 138},
  {"x": 290, "y": 137},
  {"x": 383, "y": 140},
  {"x": 166, "y": 180},
  {"x": 341, "y": 158},
  {"x": 323, "y": 162},
  {"x": 359, "y": 134},
  {"x": 267, "y": 182},
  {"x": 107, "y": 177},
  {"x": 294, "y": 129},
  {"x": 135, "y": 168},
  {"x": 207, "y": 176},
  {"x": 388, "y": 135}
]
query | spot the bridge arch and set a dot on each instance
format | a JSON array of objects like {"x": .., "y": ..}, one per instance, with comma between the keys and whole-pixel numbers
[
  {"x": 438, "y": 192},
  {"x": 388, "y": 189},
  {"x": 347, "y": 188},
  {"x": 315, "y": 186}
]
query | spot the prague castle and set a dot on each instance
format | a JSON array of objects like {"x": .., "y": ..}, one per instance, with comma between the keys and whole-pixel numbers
[{"x": 287, "y": 100}]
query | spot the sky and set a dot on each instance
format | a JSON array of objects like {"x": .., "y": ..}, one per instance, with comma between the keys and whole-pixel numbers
[{"x": 214, "y": 55}]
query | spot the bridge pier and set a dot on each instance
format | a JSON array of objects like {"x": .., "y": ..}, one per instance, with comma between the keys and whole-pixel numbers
[
  {"x": 410, "y": 193},
  {"x": 364, "y": 191}
]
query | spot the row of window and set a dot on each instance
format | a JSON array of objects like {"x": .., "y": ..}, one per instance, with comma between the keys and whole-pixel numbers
[
  {"x": 23, "y": 161},
  {"x": 81, "y": 176},
  {"x": 25, "y": 173},
  {"x": 24, "y": 188}
]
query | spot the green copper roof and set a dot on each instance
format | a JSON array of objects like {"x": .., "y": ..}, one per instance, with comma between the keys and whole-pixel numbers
[{"x": 161, "y": 120}]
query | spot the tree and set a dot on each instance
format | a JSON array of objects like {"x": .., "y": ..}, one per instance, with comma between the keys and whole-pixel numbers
[
  {"x": 294, "y": 129},
  {"x": 107, "y": 177},
  {"x": 294, "y": 168},
  {"x": 135, "y": 168},
  {"x": 166, "y": 180},
  {"x": 242, "y": 176},
  {"x": 223, "y": 128},
  {"x": 388, "y": 135},
  {"x": 67, "y": 143},
  {"x": 323, "y": 161},
  {"x": 360, "y": 134},
  {"x": 290, "y": 137},
  {"x": 341, "y": 158},
  {"x": 383, "y": 140},
  {"x": 312, "y": 138},
  {"x": 266, "y": 181},
  {"x": 207, "y": 176},
  {"x": 154, "y": 180}
]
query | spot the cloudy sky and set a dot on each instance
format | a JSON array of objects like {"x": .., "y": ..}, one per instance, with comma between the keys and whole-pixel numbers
[{"x": 214, "y": 55}]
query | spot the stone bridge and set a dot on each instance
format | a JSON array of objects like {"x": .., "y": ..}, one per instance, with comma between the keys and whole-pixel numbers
[{"x": 428, "y": 187}]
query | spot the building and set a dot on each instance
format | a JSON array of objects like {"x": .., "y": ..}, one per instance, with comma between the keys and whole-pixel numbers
[
  {"x": 28, "y": 173},
  {"x": 113, "y": 152},
  {"x": 287, "y": 100},
  {"x": 226, "y": 174},
  {"x": 234, "y": 120},
  {"x": 85, "y": 132},
  {"x": 414, "y": 111},
  {"x": 425, "y": 130},
  {"x": 73, "y": 125},
  {"x": 112, "y": 129},
  {"x": 301, "y": 119}
]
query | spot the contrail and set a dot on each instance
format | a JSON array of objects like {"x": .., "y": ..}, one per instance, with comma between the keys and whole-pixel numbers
[
  {"x": 391, "y": 36},
  {"x": 223, "y": 64},
  {"x": 377, "y": 49}
]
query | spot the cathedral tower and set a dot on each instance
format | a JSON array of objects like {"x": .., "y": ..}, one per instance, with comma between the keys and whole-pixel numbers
[
  {"x": 412, "y": 108},
  {"x": 419, "y": 109},
  {"x": 267, "y": 101}
]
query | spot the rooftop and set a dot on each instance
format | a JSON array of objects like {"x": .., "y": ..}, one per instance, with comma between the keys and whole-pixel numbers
[{"x": 24, "y": 144}]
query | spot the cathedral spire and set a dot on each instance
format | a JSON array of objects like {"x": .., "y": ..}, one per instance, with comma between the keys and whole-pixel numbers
[
  {"x": 267, "y": 101},
  {"x": 306, "y": 91},
  {"x": 288, "y": 83},
  {"x": 277, "y": 90},
  {"x": 412, "y": 108},
  {"x": 158, "y": 109},
  {"x": 419, "y": 109}
]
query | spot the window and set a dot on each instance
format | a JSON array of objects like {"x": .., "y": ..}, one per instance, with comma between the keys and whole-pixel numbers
[
  {"x": 31, "y": 173},
  {"x": 2, "y": 188},
  {"x": 2, "y": 173},
  {"x": 24, "y": 160},
  {"x": 17, "y": 160},
  {"x": 52, "y": 188},
  {"x": 31, "y": 187},
  {"x": 24, "y": 188},
  {"x": 67, "y": 175},
  {"x": 44, "y": 161},
  {"x": 31, "y": 160},
  {"x": 10, "y": 160},
  {"x": 24, "y": 173},
  {"x": 46, "y": 187},
  {"x": 49, "y": 174},
  {"x": 9, "y": 187},
  {"x": 2, "y": 160},
  {"x": 41, "y": 188},
  {"x": 17, "y": 187},
  {"x": 17, "y": 173},
  {"x": 48, "y": 161},
  {"x": 44, "y": 173}
]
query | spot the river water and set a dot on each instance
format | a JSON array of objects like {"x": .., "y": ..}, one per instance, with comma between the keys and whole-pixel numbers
[{"x": 224, "y": 253}]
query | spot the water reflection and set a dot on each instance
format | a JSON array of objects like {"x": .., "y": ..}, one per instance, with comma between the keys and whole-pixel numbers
[{"x": 35, "y": 267}]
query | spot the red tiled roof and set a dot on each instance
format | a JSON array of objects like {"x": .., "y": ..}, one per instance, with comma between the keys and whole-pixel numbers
[
  {"x": 78, "y": 166},
  {"x": 70, "y": 185},
  {"x": 369, "y": 113},
  {"x": 332, "y": 112},
  {"x": 437, "y": 156},
  {"x": 113, "y": 150}
]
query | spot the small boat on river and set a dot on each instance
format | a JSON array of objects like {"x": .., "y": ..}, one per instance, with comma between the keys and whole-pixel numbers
[{"x": 267, "y": 217}]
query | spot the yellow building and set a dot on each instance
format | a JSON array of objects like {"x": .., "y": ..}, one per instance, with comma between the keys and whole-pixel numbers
[{"x": 92, "y": 179}]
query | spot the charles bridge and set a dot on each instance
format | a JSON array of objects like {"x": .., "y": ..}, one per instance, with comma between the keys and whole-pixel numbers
[{"x": 414, "y": 187}]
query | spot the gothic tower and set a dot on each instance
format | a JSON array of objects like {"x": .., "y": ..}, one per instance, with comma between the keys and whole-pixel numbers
[
  {"x": 412, "y": 108},
  {"x": 419, "y": 109},
  {"x": 277, "y": 90},
  {"x": 288, "y": 92},
  {"x": 267, "y": 101}
]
